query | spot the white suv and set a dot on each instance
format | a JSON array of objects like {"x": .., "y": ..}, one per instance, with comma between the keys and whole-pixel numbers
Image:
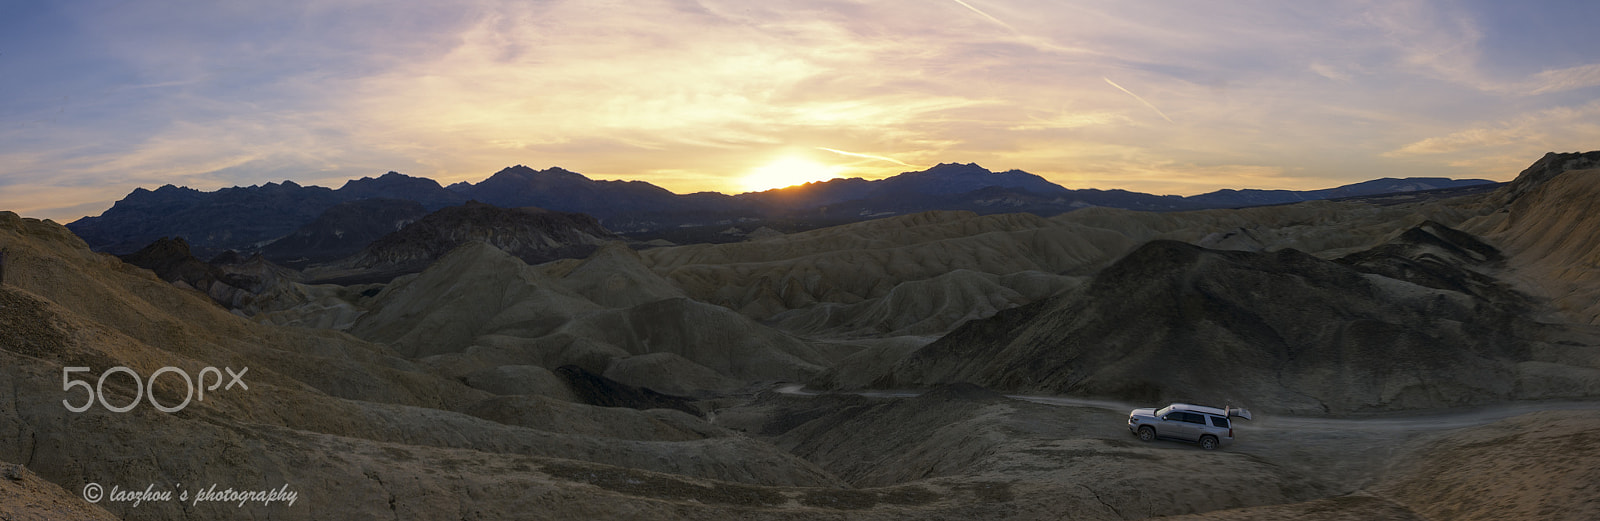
[{"x": 1209, "y": 426}]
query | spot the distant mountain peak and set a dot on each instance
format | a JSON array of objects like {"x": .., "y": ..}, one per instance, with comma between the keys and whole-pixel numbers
[
  {"x": 172, "y": 188},
  {"x": 526, "y": 172},
  {"x": 389, "y": 178},
  {"x": 395, "y": 185},
  {"x": 958, "y": 169},
  {"x": 956, "y": 178}
]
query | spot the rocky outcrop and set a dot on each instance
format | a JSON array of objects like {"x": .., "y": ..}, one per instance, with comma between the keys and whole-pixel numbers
[
  {"x": 1542, "y": 171},
  {"x": 172, "y": 261}
]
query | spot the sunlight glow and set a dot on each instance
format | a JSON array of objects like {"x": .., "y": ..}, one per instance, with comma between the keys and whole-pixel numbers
[{"x": 787, "y": 171}]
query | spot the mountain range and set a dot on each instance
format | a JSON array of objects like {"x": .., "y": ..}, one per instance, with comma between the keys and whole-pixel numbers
[{"x": 274, "y": 218}]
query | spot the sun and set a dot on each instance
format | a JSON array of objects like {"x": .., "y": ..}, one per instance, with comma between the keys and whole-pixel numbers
[{"x": 787, "y": 171}]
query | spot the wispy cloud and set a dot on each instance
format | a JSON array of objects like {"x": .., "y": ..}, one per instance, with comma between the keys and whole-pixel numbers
[
  {"x": 867, "y": 156},
  {"x": 997, "y": 21},
  {"x": 1141, "y": 100},
  {"x": 1559, "y": 80},
  {"x": 1496, "y": 148}
]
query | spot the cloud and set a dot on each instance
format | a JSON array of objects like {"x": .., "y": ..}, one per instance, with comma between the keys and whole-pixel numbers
[
  {"x": 980, "y": 12},
  {"x": 866, "y": 156},
  {"x": 692, "y": 94},
  {"x": 1141, "y": 100},
  {"x": 1329, "y": 72},
  {"x": 1500, "y": 148},
  {"x": 1574, "y": 126},
  {"x": 1559, "y": 80}
]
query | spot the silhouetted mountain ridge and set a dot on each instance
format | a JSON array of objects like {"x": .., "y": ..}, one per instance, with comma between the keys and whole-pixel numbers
[
  {"x": 250, "y": 219},
  {"x": 1387, "y": 185},
  {"x": 238, "y": 218}
]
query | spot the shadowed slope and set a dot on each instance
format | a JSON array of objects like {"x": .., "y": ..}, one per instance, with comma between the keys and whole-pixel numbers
[
  {"x": 1279, "y": 331},
  {"x": 1553, "y": 235},
  {"x": 321, "y": 408}
]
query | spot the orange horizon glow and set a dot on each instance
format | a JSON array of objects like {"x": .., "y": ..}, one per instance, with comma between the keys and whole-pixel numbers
[{"x": 1167, "y": 98}]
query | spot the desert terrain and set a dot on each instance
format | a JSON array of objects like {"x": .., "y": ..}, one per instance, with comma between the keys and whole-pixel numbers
[{"x": 1419, "y": 359}]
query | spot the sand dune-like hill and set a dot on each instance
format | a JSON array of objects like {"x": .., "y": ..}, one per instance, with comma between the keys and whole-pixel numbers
[
  {"x": 1323, "y": 228},
  {"x": 925, "y": 307},
  {"x": 615, "y": 276},
  {"x": 1381, "y": 317},
  {"x": 865, "y": 261},
  {"x": 474, "y": 290},
  {"x": 850, "y": 263},
  {"x": 1278, "y": 331},
  {"x": 480, "y": 307},
  {"x": 708, "y": 335},
  {"x": 1551, "y": 231},
  {"x": 531, "y": 234},
  {"x": 322, "y": 408}
]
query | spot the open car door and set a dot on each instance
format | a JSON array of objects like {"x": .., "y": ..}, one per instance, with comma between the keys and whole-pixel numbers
[{"x": 1238, "y": 412}]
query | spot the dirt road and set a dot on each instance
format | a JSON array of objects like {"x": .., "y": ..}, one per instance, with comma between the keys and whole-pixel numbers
[{"x": 1345, "y": 453}]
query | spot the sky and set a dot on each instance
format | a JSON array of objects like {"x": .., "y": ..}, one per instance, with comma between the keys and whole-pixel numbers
[{"x": 1168, "y": 97}]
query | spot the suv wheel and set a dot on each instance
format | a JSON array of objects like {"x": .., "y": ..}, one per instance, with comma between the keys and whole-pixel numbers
[
  {"x": 1147, "y": 434},
  {"x": 1208, "y": 442}
]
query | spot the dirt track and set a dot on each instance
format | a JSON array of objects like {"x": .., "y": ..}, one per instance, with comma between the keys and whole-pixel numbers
[{"x": 1340, "y": 455}]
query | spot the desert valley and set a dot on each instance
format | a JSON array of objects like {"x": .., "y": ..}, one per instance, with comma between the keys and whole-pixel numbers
[{"x": 952, "y": 343}]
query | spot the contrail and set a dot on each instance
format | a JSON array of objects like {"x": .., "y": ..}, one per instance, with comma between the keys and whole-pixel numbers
[
  {"x": 1136, "y": 96},
  {"x": 868, "y": 156},
  {"x": 986, "y": 15}
]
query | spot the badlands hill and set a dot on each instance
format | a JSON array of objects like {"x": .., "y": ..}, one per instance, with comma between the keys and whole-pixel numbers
[
  {"x": 532, "y": 234},
  {"x": 355, "y": 427},
  {"x": 479, "y": 308},
  {"x": 841, "y": 307},
  {"x": 1433, "y": 317},
  {"x": 1282, "y": 331},
  {"x": 1550, "y": 227}
]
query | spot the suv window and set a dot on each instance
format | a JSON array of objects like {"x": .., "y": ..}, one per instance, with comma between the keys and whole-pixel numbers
[
  {"x": 1218, "y": 421},
  {"x": 1193, "y": 418}
]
